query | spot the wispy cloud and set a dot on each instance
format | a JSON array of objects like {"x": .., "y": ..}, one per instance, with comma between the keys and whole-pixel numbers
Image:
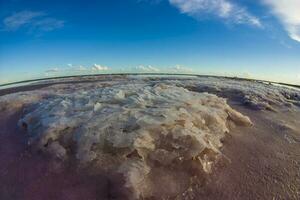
[
  {"x": 19, "y": 19},
  {"x": 97, "y": 67},
  {"x": 223, "y": 9},
  {"x": 180, "y": 69},
  {"x": 32, "y": 21},
  {"x": 151, "y": 69},
  {"x": 148, "y": 68},
  {"x": 288, "y": 12},
  {"x": 48, "y": 24},
  {"x": 76, "y": 69}
]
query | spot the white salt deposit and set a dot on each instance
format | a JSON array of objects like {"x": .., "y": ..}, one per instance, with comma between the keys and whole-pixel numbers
[{"x": 136, "y": 125}]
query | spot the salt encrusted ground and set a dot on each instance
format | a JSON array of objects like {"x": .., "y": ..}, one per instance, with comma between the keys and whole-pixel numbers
[{"x": 164, "y": 136}]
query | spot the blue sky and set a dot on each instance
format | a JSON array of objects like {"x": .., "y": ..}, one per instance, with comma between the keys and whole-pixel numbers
[{"x": 248, "y": 38}]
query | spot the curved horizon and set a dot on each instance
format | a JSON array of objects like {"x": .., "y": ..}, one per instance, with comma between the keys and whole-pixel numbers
[{"x": 15, "y": 84}]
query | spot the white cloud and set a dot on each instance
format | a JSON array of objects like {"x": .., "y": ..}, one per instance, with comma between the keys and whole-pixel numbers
[
  {"x": 33, "y": 21},
  {"x": 148, "y": 68},
  {"x": 288, "y": 12},
  {"x": 180, "y": 69},
  {"x": 19, "y": 19},
  {"x": 223, "y": 9},
  {"x": 47, "y": 24},
  {"x": 99, "y": 68},
  {"x": 76, "y": 68}
]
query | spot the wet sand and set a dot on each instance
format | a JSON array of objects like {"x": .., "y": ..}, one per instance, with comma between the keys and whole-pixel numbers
[{"x": 265, "y": 163}]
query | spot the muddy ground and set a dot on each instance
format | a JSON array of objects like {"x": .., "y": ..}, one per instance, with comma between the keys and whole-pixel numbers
[{"x": 264, "y": 164}]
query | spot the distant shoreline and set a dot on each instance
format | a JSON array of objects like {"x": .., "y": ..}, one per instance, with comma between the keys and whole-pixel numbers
[{"x": 4, "y": 91}]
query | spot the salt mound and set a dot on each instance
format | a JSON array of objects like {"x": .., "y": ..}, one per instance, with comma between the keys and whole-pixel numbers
[{"x": 138, "y": 130}]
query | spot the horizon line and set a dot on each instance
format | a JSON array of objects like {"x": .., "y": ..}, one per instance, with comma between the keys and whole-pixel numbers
[{"x": 145, "y": 73}]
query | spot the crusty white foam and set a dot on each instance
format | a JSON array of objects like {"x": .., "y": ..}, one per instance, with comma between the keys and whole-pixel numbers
[{"x": 133, "y": 128}]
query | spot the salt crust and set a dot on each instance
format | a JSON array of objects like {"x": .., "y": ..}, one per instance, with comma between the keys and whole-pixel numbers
[{"x": 131, "y": 128}]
